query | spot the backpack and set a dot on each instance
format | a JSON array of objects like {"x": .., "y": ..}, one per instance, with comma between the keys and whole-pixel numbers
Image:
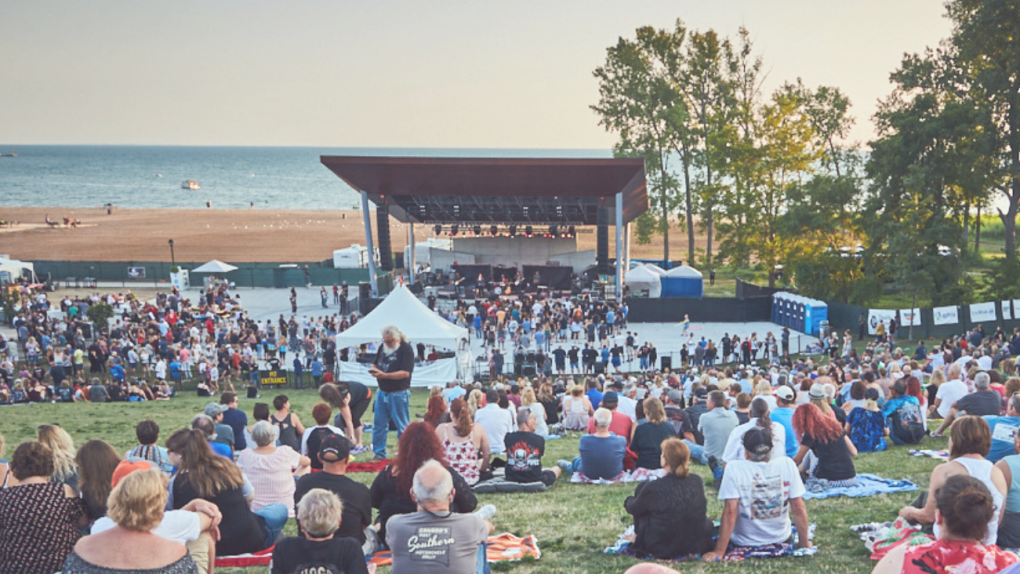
[{"x": 906, "y": 422}]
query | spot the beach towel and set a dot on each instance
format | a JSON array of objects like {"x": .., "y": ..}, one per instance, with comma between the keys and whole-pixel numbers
[
  {"x": 636, "y": 475},
  {"x": 499, "y": 483},
  {"x": 260, "y": 558},
  {"x": 937, "y": 454},
  {"x": 881, "y": 537},
  {"x": 867, "y": 485},
  {"x": 734, "y": 554},
  {"x": 368, "y": 466},
  {"x": 501, "y": 548}
]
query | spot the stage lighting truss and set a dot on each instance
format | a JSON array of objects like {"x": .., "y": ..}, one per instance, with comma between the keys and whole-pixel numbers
[{"x": 554, "y": 231}]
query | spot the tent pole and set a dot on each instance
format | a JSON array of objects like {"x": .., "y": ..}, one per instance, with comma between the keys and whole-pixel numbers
[{"x": 368, "y": 243}]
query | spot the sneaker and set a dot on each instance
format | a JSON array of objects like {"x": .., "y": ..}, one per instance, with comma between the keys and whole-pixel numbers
[
  {"x": 368, "y": 426},
  {"x": 713, "y": 463},
  {"x": 565, "y": 465},
  {"x": 486, "y": 512}
]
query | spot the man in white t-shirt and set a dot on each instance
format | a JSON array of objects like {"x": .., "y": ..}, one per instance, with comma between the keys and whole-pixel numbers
[
  {"x": 949, "y": 392},
  {"x": 759, "y": 496},
  {"x": 497, "y": 422},
  {"x": 984, "y": 360}
]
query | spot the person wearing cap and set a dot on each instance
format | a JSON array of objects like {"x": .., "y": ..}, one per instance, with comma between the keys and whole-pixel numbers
[
  {"x": 334, "y": 456},
  {"x": 224, "y": 434},
  {"x": 786, "y": 402},
  {"x": 621, "y": 424},
  {"x": 866, "y": 425},
  {"x": 195, "y": 525},
  {"x": 760, "y": 494},
  {"x": 699, "y": 406}
]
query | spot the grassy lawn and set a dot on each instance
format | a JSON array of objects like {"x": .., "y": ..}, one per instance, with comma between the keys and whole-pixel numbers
[{"x": 573, "y": 523}]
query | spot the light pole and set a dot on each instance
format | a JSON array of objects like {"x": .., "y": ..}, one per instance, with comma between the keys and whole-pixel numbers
[{"x": 172, "y": 262}]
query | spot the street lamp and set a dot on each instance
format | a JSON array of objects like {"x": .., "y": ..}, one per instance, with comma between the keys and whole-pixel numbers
[{"x": 172, "y": 262}]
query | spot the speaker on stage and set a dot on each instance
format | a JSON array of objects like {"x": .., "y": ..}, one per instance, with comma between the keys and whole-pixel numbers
[
  {"x": 364, "y": 297},
  {"x": 667, "y": 362},
  {"x": 529, "y": 370},
  {"x": 600, "y": 368},
  {"x": 382, "y": 220},
  {"x": 602, "y": 241}
]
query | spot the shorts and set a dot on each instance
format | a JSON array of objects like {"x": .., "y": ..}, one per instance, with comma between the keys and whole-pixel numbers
[
  {"x": 358, "y": 409},
  {"x": 548, "y": 477}
]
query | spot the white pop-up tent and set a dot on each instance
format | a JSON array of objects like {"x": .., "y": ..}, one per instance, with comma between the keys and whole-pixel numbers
[
  {"x": 419, "y": 324},
  {"x": 11, "y": 270},
  {"x": 644, "y": 280},
  {"x": 214, "y": 266}
]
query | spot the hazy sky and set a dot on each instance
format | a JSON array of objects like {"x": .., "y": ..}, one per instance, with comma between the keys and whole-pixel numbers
[{"x": 385, "y": 73}]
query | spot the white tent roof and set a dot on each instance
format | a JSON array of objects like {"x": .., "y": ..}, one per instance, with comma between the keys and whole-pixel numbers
[
  {"x": 684, "y": 271},
  {"x": 644, "y": 279},
  {"x": 655, "y": 269},
  {"x": 214, "y": 266},
  {"x": 414, "y": 319}
]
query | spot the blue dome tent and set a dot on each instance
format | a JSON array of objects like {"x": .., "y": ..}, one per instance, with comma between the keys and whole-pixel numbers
[{"x": 683, "y": 281}]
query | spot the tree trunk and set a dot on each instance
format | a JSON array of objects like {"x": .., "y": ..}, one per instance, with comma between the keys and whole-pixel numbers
[
  {"x": 1009, "y": 225},
  {"x": 690, "y": 212},
  {"x": 966, "y": 225},
  {"x": 708, "y": 214},
  {"x": 977, "y": 232},
  {"x": 665, "y": 229}
]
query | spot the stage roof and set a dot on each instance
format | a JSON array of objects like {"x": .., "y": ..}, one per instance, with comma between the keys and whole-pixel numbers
[{"x": 497, "y": 190}]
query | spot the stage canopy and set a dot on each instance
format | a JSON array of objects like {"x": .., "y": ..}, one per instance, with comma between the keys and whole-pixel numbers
[
  {"x": 414, "y": 319},
  {"x": 214, "y": 266},
  {"x": 497, "y": 190}
]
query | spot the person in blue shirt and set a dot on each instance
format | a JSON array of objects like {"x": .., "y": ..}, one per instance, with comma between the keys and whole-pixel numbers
[
  {"x": 299, "y": 373},
  {"x": 1004, "y": 429},
  {"x": 601, "y": 453},
  {"x": 175, "y": 373},
  {"x": 605, "y": 356},
  {"x": 594, "y": 394},
  {"x": 786, "y": 399},
  {"x": 317, "y": 372},
  {"x": 117, "y": 372},
  {"x": 235, "y": 418}
]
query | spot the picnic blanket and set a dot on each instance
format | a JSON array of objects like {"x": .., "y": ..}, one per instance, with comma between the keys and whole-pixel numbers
[
  {"x": 867, "y": 485},
  {"x": 499, "y": 484},
  {"x": 368, "y": 466},
  {"x": 734, "y": 554},
  {"x": 881, "y": 537},
  {"x": 503, "y": 547},
  {"x": 260, "y": 558},
  {"x": 938, "y": 454},
  {"x": 636, "y": 475}
]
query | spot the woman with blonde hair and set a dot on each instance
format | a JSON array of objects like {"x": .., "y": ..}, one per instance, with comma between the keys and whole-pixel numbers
[
  {"x": 648, "y": 437},
  {"x": 530, "y": 401},
  {"x": 61, "y": 444},
  {"x": 136, "y": 506},
  {"x": 475, "y": 401},
  {"x": 96, "y": 461},
  {"x": 577, "y": 410},
  {"x": 763, "y": 389},
  {"x": 465, "y": 443},
  {"x": 670, "y": 513}
]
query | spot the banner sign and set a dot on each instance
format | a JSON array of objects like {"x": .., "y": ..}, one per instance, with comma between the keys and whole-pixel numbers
[
  {"x": 982, "y": 312},
  {"x": 910, "y": 317},
  {"x": 1007, "y": 310},
  {"x": 946, "y": 315},
  {"x": 273, "y": 378},
  {"x": 876, "y": 316}
]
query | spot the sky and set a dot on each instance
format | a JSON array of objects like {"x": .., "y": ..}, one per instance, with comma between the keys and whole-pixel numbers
[{"x": 384, "y": 73}]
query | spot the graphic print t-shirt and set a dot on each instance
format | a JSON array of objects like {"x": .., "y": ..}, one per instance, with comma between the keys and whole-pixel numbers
[
  {"x": 400, "y": 360},
  {"x": 434, "y": 543},
  {"x": 333, "y": 556},
  {"x": 764, "y": 490},
  {"x": 524, "y": 452}
]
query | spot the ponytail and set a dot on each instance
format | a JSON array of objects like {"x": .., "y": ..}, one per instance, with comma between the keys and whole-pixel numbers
[
  {"x": 461, "y": 417},
  {"x": 760, "y": 411}
]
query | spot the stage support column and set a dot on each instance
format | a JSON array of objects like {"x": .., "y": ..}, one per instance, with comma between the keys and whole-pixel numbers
[
  {"x": 410, "y": 265},
  {"x": 369, "y": 243},
  {"x": 382, "y": 229},
  {"x": 602, "y": 240},
  {"x": 626, "y": 248},
  {"x": 619, "y": 247}
]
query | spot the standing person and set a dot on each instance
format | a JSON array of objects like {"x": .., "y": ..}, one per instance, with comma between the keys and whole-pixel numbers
[
  {"x": 686, "y": 323},
  {"x": 235, "y": 418},
  {"x": 352, "y": 400},
  {"x": 394, "y": 363}
]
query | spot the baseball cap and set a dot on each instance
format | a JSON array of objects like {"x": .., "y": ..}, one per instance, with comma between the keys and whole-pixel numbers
[
  {"x": 786, "y": 393},
  {"x": 818, "y": 391},
  {"x": 334, "y": 448},
  {"x": 701, "y": 392},
  {"x": 215, "y": 409},
  {"x": 610, "y": 398},
  {"x": 126, "y": 467},
  {"x": 757, "y": 441},
  {"x": 675, "y": 396}
]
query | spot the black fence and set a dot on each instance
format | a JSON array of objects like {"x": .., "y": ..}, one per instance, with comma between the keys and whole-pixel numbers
[
  {"x": 717, "y": 309},
  {"x": 846, "y": 316}
]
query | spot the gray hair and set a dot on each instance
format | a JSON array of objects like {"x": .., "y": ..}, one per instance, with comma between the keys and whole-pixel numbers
[
  {"x": 264, "y": 433},
  {"x": 395, "y": 332},
  {"x": 603, "y": 417},
  {"x": 982, "y": 380},
  {"x": 319, "y": 512},
  {"x": 439, "y": 491},
  {"x": 204, "y": 423}
]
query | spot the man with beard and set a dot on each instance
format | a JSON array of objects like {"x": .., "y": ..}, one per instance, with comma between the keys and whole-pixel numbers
[{"x": 393, "y": 365}]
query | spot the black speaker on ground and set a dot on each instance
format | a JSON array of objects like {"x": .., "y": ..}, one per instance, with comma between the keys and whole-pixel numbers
[
  {"x": 600, "y": 368},
  {"x": 602, "y": 241},
  {"x": 398, "y": 260},
  {"x": 382, "y": 220},
  {"x": 666, "y": 361},
  {"x": 529, "y": 370},
  {"x": 86, "y": 330},
  {"x": 364, "y": 297}
]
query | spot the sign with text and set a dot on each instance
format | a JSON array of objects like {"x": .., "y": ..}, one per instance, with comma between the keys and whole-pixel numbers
[
  {"x": 946, "y": 315},
  {"x": 1007, "y": 310},
  {"x": 876, "y": 316},
  {"x": 982, "y": 312},
  {"x": 273, "y": 378},
  {"x": 910, "y": 317}
]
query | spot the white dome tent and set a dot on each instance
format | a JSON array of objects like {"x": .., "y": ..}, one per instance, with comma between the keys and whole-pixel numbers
[{"x": 643, "y": 280}]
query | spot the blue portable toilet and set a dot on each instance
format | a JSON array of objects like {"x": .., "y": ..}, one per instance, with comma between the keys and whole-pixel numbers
[{"x": 683, "y": 281}]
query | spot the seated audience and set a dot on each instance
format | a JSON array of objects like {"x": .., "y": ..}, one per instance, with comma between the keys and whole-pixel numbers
[
  {"x": 669, "y": 513},
  {"x": 530, "y": 401},
  {"x": 601, "y": 453},
  {"x": 715, "y": 426},
  {"x": 224, "y": 434},
  {"x": 550, "y": 403},
  {"x": 621, "y": 425},
  {"x": 1004, "y": 429},
  {"x": 321, "y": 548},
  {"x": 982, "y": 402},
  {"x": 465, "y": 444},
  {"x": 136, "y": 507},
  {"x": 1009, "y": 525},
  {"x": 270, "y": 468},
  {"x": 948, "y": 391},
  {"x": 969, "y": 440},
  {"x": 62, "y": 446},
  {"x": 205, "y": 475},
  {"x": 649, "y": 436},
  {"x": 577, "y": 410},
  {"x": 759, "y": 419},
  {"x": 461, "y": 550},
  {"x": 524, "y": 452},
  {"x": 96, "y": 462},
  {"x": 391, "y": 489},
  {"x": 753, "y": 515},
  {"x": 903, "y": 414},
  {"x": 314, "y": 436},
  {"x": 40, "y": 519},
  {"x": 334, "y": 453},
  {"x": 436, "y": 411},
  {"x": 147, "y": 433},
  {"x": 496, "y": 421},
  {"x": 825, "y": 453},
  {"x": 207, "y": 427},
  {"x": 866, "y": 425},
  {"x": 965, "y": 509}
]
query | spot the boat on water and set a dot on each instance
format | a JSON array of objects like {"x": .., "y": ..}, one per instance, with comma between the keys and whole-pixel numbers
[{"x": 190, "y": 184}]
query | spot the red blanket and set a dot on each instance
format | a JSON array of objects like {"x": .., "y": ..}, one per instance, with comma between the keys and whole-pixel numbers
[{"x": 368, "y": 466}]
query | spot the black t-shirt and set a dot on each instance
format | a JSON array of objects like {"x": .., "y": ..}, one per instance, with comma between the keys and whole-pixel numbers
[
  {"x": 572, "y": 353},
  {"x": 334, "y": 556},
  {"x": 241, "y": 530},
  {"x": 524, "y": 452},
  {"x": 313, "y": 443},
  {"x": 357, "y": 512},
  {"x": 647, "y": 443},
  {"x": 560, "y": 355},
  {"x": 981, "y": 403},
  {"x": 834, "y": 461},
  {"x": 359, "y": 392},
  {"x": 694, "y": 413},
  {"x": 678, "y": 419},
  {"x": 400, "y": 360}
]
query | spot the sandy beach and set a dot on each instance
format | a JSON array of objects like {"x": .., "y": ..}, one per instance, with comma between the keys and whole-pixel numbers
[{"x": 228, "y": 235}]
